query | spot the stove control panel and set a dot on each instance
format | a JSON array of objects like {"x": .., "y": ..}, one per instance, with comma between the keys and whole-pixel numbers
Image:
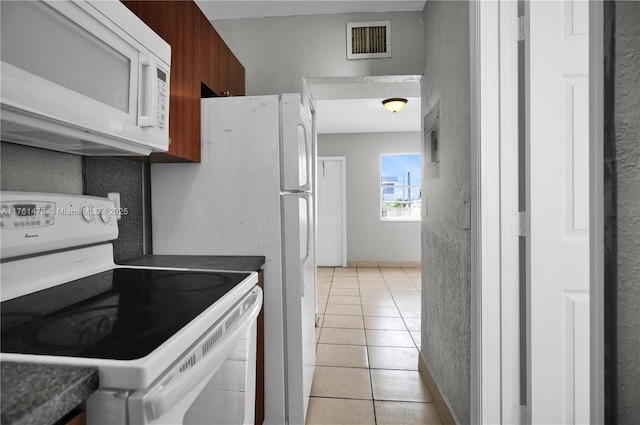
[
  {"x": 39, "y": 222},
  {"x": 27, "y": 215}
]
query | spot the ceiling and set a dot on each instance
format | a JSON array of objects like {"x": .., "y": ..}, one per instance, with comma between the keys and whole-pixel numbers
[
  {"x": 354, "y": 104},
  {"x": 343, "y": 105},
  {"x": 219, "y": 9},
  {"x": 365, "y": 116}
]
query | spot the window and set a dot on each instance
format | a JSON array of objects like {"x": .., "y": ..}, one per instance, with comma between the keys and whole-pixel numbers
[{"x": 400, "y": 190}]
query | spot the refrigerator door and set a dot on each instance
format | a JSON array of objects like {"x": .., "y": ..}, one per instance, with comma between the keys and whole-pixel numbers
[
  {"x": 296, "y": 144},
  {"x": 299, "y": 287}
]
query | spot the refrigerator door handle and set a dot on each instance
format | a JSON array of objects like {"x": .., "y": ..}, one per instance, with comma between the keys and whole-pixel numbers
[
  {"x": 309, "y": 230},
  {"x": 310, "y": 158},
  {"x": 305, "y": 148}
]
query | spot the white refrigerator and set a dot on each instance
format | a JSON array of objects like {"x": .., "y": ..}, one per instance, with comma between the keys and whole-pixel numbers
[{"x": 252, "y": 195}]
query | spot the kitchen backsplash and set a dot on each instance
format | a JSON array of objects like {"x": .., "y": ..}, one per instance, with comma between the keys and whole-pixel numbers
[
  {"x": 37, "y": 170},
  {"x": 128, "y": 177}
]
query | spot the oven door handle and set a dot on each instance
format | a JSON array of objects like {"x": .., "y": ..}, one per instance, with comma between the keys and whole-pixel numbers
[{"x": 167, "y": 395}]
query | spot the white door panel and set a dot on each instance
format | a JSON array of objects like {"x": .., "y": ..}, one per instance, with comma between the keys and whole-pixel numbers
[
  {"x": 331, "y": 220},
  {"x": 558, "y": 185}
]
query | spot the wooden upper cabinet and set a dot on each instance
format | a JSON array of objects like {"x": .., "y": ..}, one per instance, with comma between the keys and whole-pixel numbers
[
  {"x": 201, "y": 64},
  {"x": 222, "y": 72},
  {"x": 214, "y": 69},
  {"x": 235, "y": 75}
]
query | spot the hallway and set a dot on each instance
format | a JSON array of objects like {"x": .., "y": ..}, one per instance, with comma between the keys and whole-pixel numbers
[{"x": 367, "y": 352}]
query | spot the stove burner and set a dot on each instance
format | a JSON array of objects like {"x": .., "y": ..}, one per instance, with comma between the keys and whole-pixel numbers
[
  {"x": 96, "y": 327},
  {"x": 16, "y": 322},
  {"x": 176, "y": 282}
]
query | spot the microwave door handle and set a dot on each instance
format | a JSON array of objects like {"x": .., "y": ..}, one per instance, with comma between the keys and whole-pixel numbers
[
  {"x": 168, "y": 394},
  {"x": 148, "y": 95}
]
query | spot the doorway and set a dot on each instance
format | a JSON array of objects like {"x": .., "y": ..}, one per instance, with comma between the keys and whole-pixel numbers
[{"x": 353, "y": 123}]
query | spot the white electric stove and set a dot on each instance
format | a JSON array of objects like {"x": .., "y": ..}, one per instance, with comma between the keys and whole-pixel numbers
[{"x": 171, "y": 345}]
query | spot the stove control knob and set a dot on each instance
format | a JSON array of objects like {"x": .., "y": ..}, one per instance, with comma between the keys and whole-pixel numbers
[
  {"x": 87, "y": 213},
  {"x": 105, "y": 215}
]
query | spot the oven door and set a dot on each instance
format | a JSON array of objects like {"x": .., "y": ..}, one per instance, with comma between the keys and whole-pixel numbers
[{"x": 214, "y": 383}]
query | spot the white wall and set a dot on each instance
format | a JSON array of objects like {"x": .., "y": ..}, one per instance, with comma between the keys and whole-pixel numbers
[
  {"x": 369, "y": 238},
  {"x": 277, "y": 53}
]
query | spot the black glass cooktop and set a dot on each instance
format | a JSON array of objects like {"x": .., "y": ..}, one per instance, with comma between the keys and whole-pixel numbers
[{"x": 121, "y": 314}]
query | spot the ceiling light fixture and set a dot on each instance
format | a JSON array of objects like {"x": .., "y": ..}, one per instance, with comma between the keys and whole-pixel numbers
[{"x": 394, "y": 104}]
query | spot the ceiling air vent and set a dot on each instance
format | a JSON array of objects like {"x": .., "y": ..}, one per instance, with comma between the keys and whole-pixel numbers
[{"x": 367, "y": 40}]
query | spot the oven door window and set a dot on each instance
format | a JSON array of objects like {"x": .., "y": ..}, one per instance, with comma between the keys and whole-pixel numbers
[{"x": 224, "y": 400}]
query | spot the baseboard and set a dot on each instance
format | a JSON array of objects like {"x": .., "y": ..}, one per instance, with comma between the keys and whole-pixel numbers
[
  {"x": 438, "y": 401},
  {"x": 384, "y": 264}
]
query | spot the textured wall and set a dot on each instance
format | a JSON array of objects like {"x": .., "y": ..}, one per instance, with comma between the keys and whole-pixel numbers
[
  {"x": 627, "y": 181},
  {"x": 30, "y": 169},
  {"x": 446, "y": 245},
  {"x": 369, "y": 238},
  {"x": 126, "y": 176},
  {"x": 277, "y": 53}
]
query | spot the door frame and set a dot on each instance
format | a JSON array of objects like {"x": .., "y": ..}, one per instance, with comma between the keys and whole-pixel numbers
[
  {"x": 493, "y": 343},
  {"x": 343, "y": 161},
  {"x": 495, "y": 346},
  {"x": 596, "y": 209}
]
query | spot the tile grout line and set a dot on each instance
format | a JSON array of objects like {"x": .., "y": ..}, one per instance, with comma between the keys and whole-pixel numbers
[
  {"x": 366, "y": 341},
  {"x": 400, "y": 312}
]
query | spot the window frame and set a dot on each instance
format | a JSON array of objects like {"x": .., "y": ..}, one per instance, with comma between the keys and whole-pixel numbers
[{"x": 381, "y": 188}]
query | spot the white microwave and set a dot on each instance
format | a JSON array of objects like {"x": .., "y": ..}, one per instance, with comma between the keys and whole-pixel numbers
[{"x": 83, "y": 77}]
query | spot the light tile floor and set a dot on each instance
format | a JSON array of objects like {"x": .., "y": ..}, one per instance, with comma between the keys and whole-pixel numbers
[{"x": 367, "y": 351}]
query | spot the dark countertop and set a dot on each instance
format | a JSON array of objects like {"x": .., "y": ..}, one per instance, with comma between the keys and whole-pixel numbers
[
  {"x": 207, "y": 262},
  {"x": 42, "y": 393}
]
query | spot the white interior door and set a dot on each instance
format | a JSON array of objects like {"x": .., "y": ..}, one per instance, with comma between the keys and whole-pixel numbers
[
  {"x": 331, "y": 212},
  {"x": 558, "y": 204}
]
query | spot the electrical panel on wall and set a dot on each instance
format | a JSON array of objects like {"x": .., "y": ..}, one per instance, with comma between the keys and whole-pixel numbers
[{"x": 431, "y": 129}]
